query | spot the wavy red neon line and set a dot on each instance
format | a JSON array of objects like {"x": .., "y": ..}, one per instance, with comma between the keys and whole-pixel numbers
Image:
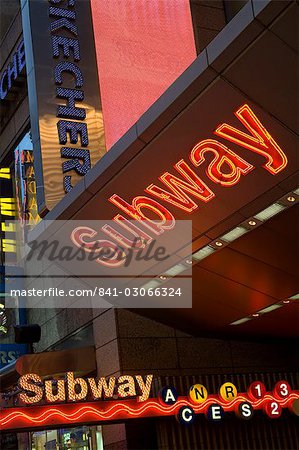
[
  {"x": 87, "y": 409},
  {"x": 144, "y": 406},
  {"x": 150, "y": 405},
  {"x": 123, "y": 408}
]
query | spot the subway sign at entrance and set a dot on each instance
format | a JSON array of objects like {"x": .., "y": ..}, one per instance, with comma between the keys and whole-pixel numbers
[{"x": 71, "y": 401}]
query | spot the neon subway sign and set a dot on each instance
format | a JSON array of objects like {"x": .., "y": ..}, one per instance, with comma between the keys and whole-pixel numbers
[
  {"x": 124, "y": 406},
  {"x": 186, "y": 189}
]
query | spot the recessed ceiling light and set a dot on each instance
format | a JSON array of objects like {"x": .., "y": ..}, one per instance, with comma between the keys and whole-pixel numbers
[
  {"x": 269, "y": 212},
  {"x": 203, "y": 253},
  {"x": 188, "y": 261},
  {"x": 151, "y": 284},
  {"x": 269, "y": 308},
  {"x": 234, "y": 234},
  {"x": 255, "y": 315},
  {"x": 240, "y": 321},
  {"x": 218, "y": 243},
  {"x": 291, "y": 199},
  {"x": 162, "y": 277},
  {"x": 252, "y": 223},
  {"x": 286, "y": 301},
  {"x": 175, "y": 270}
]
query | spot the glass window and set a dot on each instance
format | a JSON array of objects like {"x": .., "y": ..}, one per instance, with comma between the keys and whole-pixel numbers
[
  {"x": 81, "y": 338},
  {"x": 17, "y": 196},
  {"x": 79, "y": 438}
]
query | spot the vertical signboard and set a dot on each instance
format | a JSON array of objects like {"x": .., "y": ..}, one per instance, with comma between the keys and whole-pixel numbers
[
  {"x": 8, "y": 243},
  {"x": 26, "y": 187},
  {"x": 9, "y": 313},
  {"x": 64, "y": 98},
  {"x": 142, "y": 47}
]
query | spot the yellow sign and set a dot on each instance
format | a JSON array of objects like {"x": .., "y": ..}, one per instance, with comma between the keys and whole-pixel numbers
[
  {"x": 7, "y": 212},
  {"x": 228, "y": 391},
  {"x": 26, "y": 187},
  {"x": 198, "y": 393}
]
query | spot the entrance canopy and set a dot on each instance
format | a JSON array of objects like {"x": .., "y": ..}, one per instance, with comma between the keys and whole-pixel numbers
[{"x": 244, "y": 282}]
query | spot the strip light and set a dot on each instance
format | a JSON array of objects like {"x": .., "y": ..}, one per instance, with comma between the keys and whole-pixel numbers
[
  {"x": 203, "y": 253},
  {"x": 151, "y": 284},
  {"x": 266, "y": 310},
  {"x": 240, "y": 230},
  {"x": 175, "y": 270},
  {"x": 109, "y": 411},
  {"x": 269, "y": 212},
  {"x": 233, "y": 234},
  {"x": 240, "y": 321},
  {"x": 270, "y": 308}
]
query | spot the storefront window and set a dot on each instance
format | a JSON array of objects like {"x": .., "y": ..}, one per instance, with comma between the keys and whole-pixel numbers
[
  {"x": 42, "y": 440},
  {"x": 80, "y": 438},
  {"x": 18, "y": 203},
  {"x": 9, "y": 315}
]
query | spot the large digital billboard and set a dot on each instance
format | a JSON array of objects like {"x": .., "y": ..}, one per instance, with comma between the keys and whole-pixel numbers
[{"x": 142, "y": 47}]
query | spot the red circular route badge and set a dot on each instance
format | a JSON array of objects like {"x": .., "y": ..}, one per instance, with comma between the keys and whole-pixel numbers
[
  {"x": 282, "y": 389},
  {"x": 256, "y": 390},
  {"x": 273, "y": 409}
]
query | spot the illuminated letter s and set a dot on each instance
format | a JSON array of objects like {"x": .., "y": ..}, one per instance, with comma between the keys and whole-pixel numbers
[
  {"x": 28, "y": 384},
  {"x": 112, "y": 255}
]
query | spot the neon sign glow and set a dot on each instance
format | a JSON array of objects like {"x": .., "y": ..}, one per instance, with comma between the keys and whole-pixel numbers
[
  {"x": 34, "y": 390},
  {"x": 225, "y": 169},
  {"x": 198, "y": 401},
  {"x": 260, "y": 142},
  {"x": 7, "y": 212}
]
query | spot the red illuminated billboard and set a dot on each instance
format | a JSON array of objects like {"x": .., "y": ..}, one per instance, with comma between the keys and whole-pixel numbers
[{"x": 142, "y": 47}]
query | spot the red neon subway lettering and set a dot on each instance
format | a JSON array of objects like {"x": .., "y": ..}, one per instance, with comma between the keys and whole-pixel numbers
[
  {"x": 178, "y": 188},
  {"x": 136, "y": 231},
  {"x": 260, "y": 141},
  {"x": 135, "y": 210},
  {"x": 140, "y": 240},
  {"x": 224, "y": 158},
  {"x": 113, "y": 255}
]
